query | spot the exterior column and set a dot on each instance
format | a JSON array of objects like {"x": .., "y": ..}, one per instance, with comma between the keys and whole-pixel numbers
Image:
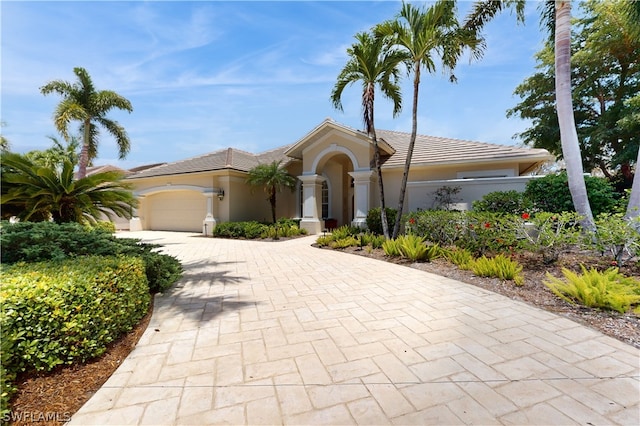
[
  {"x": 311, "y": 203},
  {"x": 209, "y": 222},
  {"x": 135, "y": 224},
  {"x": 362, "y": 184}
]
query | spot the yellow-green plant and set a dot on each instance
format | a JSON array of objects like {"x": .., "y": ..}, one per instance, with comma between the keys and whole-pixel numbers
[
  {"x": 324, "y": 240},
  {"x": 342, "y": 232},
  {"x": 345, "y": 242},
  {"x": 462, "y": 258},
  {"x": 391, "y": 248},
  {"x": 500, "y": 267},
  {"x": 412, "y": 247},
  {"x": 596, "y": 289}
]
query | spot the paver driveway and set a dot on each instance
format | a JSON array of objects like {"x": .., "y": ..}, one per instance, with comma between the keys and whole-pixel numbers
[{"x": 283, "y": 333}]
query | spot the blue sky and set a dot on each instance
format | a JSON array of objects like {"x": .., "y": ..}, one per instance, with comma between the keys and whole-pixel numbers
[{"x": 207, "y": 75}]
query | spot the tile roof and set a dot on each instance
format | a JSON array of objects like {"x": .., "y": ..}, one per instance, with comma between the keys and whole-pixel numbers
[
  {"x": 228, "y": 158},
  {"x": 432, "y": 150},
  {"x": 429, "y": 150}
]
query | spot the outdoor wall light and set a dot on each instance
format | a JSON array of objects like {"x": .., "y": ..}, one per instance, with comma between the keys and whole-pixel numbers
[{"x": 220, "y": 194}]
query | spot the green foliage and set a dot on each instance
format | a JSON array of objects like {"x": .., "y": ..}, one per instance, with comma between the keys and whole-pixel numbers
[
  {"x": 345, "y": 231},
  {"x": 344, "y": 242},
  {"x": 253, "y": 230},
  {"x": 444, "y": 198},
  {"x": 371, "y": 239},
  {"x": 509, "y": 202},
  {"x": 272, "y": 177},
  {"x": 500, "y": 267},
  {"x": 374, "y": 222},
  {"x": 548, "y": 234},
  {"x": 324, "y": 240},
  {"x": 483, "y": 232},
  {"x": 39, "y": 193},
  {"x": 412, "y": 247},
  {"x": 57, "y": 313},
  {"x": 551, "y": 194},
  {"x": 617, "y": 236},
  {"x": 33, "y": 242},
  {"x": 608, "y": 289},
  {"x": 438, "y": 226},
  {"x": 106, "y": 226},
  {"x": 462, "y": 258},
  {"x": 391, "y": 248}
]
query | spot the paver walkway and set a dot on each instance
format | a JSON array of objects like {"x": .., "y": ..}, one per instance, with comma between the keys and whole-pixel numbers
[{"x": 283, "y": 333}]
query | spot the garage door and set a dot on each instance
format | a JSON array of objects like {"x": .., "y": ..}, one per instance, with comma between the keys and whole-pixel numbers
[{"x": 177, "y": 211}]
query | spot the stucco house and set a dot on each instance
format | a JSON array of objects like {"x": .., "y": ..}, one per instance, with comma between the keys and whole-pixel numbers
[{"x": 336, "y": 179}]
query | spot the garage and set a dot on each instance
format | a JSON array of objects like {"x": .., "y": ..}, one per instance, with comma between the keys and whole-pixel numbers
[{"x": 176, "y": 211}]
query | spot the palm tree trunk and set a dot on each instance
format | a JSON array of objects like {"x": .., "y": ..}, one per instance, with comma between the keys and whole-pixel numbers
[
  {"x": 633, "y": 208},
  {"x": 376, "y": 161},
  {"x": 83, "y": 161},
  {"x": 568, "y": 133},
  {"x": 412, "y": 143}
]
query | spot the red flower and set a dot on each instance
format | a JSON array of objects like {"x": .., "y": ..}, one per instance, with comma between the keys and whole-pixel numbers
[
  {"x": 525, "y": 216},
  {"x": 412, "y": 221},
  {"x": 487, "y": 225}
]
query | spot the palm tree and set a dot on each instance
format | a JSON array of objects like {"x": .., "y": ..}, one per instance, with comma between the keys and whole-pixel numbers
[
  {"x": 427, "y": 36},
  {"x": 38, "y": 193},
  {"x": 54, "y": 157},
  {"x": 557, "y": 17},
  {"x": 273, "y": 178},
  {"x": 81, "y": 102},
  {"x": 373, "y": 64}
]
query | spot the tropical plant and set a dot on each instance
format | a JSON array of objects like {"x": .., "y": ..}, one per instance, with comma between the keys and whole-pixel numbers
[
  {"x": 374, "y": 220},
  {"x": 372, "y": 64},
  {"x": 38, "y": 193},
  {"x": 425, "y": 36},
  {"x": 501, "y": 267},
  {"x": 391, "y": 248},
  {"x": 272, "y": 177},
  {"x": 54, "y": 157},
  {"x": 548, "y": 234},
  {"x": 506, "y": 202},
  {"x": 82, "y": 102},
  {"x": 462, "y": 258},
  {"x": 597, "y": 289},
  {"x": 557, "y": 18}
]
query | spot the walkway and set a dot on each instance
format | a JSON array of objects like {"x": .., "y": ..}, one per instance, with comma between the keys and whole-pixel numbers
[{"x": 283, "y": 333}]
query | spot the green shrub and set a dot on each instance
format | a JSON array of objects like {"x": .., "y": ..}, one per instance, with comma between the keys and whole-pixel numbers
[
  {"x": 499, "y": 267},
  {"x": 34, "y": 242},
  {"x": 617, "y": 236},
  {"x": 484, "y": 232},
  {"x": 462, "y": 258},
  {"x": 391, "y": 248},
  {"x": 609, "y": 289},
  {"x": 374, "y": 222},
  {"x": 37, "y": 241},
  {"x": 412, "y": 247},
  {"x": 373, "y": 240},
  {"x": 105, "y": 225},
  {"x": 349, "y": 241},
  {"x": 438, "y": 226},
  {"x": 551, "y": 194},
  {"x": 345, "y": 231},
  {"x": 548, "y": 234},
  {"x": 56, "y": 313},
  {"x": 324, "y": 240},
  {"x": 510, "y": 202}
]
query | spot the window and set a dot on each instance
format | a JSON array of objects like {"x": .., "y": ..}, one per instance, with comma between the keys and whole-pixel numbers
[{"x": 325, "y": 200}]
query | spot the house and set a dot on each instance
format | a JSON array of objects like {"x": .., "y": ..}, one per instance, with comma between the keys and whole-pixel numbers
[{"x": 336, "y": 179}]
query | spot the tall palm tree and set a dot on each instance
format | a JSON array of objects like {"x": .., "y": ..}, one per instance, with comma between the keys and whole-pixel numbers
[
  {"x": 372, "y": 64},
  {"x": 81, "y": 102},
  {"x": 427, "y": 36},
  {"x": 38, "y": 193},
  {"x": 556, "y": 15},
  {"x": 273, "y": 177}
]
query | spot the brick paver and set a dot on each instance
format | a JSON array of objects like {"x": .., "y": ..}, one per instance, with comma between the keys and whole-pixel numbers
[{"x": 284, "y": 333}]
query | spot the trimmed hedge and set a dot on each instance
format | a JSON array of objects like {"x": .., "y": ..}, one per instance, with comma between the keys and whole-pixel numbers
[
  {"x": 56, "y": 313},
  {"x": 40, "y": 241}
]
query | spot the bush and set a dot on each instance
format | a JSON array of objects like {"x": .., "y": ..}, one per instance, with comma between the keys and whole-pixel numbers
[
  {"x": 499, "y": 267},
  {"x": 60, "y": 312},
  {"x": 105, "y": 225},
  {"x": 391, "y": 248},
  {"x": 483, "y": 232},
  {"x": 462, "y": 258},
  {"x": 252, "y": 230},
  {"x": 617, "y": 236},
  {"x": 548, "y": 233},
  {"x": 438, "y": 226},
  {"x": 609, "y": 289},
  {"x": 34, "y": 242},
  {"x": 551, "y": 194},
  {"x": 509, "y": 202},
  {"x": 374, "y": 222}
]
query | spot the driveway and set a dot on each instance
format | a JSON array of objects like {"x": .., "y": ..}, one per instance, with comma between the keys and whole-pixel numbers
[{"x": 284, "y": 333}]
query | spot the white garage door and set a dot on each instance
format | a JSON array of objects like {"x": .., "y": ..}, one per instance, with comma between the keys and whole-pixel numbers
[{"x": 177, "y": 211}]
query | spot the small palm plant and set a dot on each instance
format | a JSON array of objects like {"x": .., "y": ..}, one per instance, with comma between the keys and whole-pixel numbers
[
  {"x": 38, "y": 193},
  {"x": 272, "y": 177}
]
